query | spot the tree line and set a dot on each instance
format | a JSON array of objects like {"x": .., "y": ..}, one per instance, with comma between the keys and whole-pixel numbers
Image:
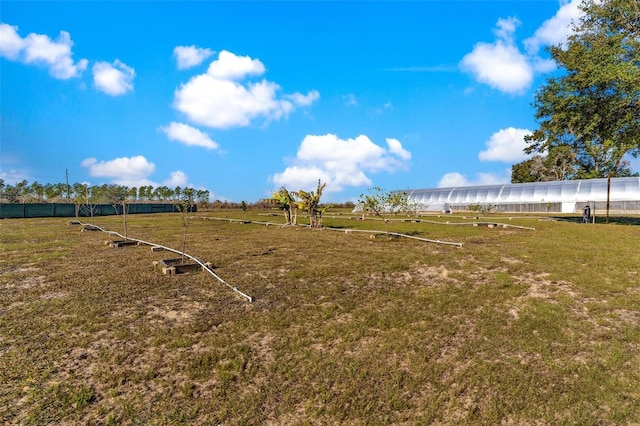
[{"x": 35, "y": 192}]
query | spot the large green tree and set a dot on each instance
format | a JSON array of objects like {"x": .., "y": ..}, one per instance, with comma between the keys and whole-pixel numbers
[
  {"x": 560, "y": 164},
  {"x": 592, "y": 107}
]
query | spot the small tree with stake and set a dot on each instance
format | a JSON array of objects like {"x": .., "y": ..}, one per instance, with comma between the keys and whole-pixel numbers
[
  {"x": 119, "y": 199},
  {"x": 89, "y": 205},
  {"x": 376, "y": 201},
  {"x": 184, "y": 206},
  {"x": 243, "y": 206}
]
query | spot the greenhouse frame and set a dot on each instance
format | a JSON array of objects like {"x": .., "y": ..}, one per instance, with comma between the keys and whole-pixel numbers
[{"x": 567, "y": 196}]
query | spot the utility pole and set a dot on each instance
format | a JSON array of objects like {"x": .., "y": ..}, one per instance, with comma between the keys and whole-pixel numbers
[{"x": 66, "y": 171}]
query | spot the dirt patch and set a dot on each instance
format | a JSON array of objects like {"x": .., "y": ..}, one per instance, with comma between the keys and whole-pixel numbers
[
  {"x": 54, "y": 295},
  {"x": 27, "y": 283},
  {"x": 23, "y": 277},
  {"x": 540, "y": 287},
  {"x": 434, "y": 274},
  {"x": 627, "y": 317},
  {"x": 510, "y": 260},
  {"x": 261, "y": 344},
  {"x": 18, "y": 270},
  {"x": 180, "y": 311}
]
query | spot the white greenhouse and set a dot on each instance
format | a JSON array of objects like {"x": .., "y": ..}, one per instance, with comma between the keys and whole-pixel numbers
[{"x": 567, "y": 196}]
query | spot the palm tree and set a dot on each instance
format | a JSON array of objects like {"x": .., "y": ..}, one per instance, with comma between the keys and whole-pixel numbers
[
  {"x": 310, "y": 201},
  {"x": 286, "y": 202}
]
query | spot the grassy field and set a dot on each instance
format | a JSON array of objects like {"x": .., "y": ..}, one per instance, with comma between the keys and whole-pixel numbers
[{"x": 518, "y": 326}]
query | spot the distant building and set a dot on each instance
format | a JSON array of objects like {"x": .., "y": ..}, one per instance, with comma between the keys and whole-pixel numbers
[{"x": 567, "y": 196}]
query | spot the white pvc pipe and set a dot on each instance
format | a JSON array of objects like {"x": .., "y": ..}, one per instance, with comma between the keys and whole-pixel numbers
[
  {"x": 504, "y": 225},
  {"x": 343, "y": 230},
  {"x": 459, "y": 245},
  {"x": 195, "y": 259}
]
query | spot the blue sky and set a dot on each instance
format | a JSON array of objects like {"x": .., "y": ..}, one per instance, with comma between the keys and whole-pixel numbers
[{"x": 241, "y": 98}]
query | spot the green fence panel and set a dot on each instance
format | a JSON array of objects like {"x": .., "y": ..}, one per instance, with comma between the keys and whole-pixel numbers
[
  {"x": 11, "y": 210},
  {"x": 64, "y": 210},
  {"x": 39, "y": 210},
  {"x": 19, "y": 210}
]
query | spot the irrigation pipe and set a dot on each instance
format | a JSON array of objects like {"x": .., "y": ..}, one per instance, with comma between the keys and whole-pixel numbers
[
  {"x": 226, "y": 219},
  {"x": 195, "y": 259},
  {"x": 459, "y": 245},
  {"x": 504, "y": 225},
  {"x": 339, "y": 229}
]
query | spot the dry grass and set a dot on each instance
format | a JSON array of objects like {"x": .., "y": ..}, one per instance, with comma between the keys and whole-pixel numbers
[{"x": 515, "y": 327}]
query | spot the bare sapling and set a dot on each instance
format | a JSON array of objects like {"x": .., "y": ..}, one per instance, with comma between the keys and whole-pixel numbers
[
  {"x": 185, "y": 206},
  {"x": 120, "y": 201}
]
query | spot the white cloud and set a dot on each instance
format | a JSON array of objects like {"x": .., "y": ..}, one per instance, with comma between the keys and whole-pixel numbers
[
  {"x": 500, "y": 65},
  {"x": 132, "y": 172},
  {"x": 128, "y": 171},
  {"x": 555, "y": 30},
  {"x": 503, "y": 66},
  {"x": 306, "y": 178},
  {"x": 13, "y": 176},
  {"x": 190, "y": 56},
  {"x": 456, "y": 179},
  {"x": 506, "y": 145},
  {"x": 340, "y": 162},
  {"x": 304, "y": 100},
  {"x": 217, "y": 103},
  {"x": 11, "y": 44},
  {"x": 505, "y": 28},
  {"x": 40, "y": 49},
  {"x": 220, "y": 99},
  {"x": 380, "y": 110},
  {"x": 453, "y": 179},
  {"x": 350, "y": 99},
  {"x": 395, "y": 147},
  {"x": 229, "y": 66},
  {"x": 113, "y": 79},
  {"x": 176, "y": 178},
  {"x": 188, "y": 135}
]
